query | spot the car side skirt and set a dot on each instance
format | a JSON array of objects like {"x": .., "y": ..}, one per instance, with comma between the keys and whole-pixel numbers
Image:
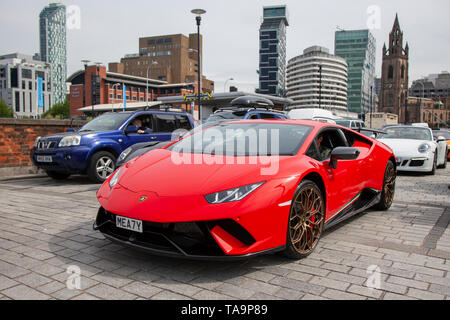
[{"x": 363, "y": 201}]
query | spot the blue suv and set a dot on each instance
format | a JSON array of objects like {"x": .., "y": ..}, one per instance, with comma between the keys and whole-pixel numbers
[{"x": 94, "y": 148}]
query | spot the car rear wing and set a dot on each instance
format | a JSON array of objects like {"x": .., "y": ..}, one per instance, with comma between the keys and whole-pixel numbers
[{"x": 373, "y": 133}]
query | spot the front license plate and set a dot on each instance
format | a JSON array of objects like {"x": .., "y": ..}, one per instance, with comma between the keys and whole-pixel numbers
[
  {"x": 129, "y": 224},
  {"x": 47, "y": 159}
]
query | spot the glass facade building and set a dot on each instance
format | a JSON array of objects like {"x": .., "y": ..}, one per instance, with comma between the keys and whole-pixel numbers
[
  {"x": 272, "y": 51},
  {"x": 52, "y": 39},
  {"x": 358, "y": 47}
]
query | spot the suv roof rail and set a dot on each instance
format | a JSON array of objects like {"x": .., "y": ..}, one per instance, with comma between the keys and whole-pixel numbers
[{"x": 165, "y": 108}]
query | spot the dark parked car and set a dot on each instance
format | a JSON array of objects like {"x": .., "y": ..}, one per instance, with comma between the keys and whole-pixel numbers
[
  {"x": 94, "y": 148},
  {"x": 248, "y": 107}
]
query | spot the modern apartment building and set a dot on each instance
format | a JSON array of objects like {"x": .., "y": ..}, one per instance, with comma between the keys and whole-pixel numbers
[
  {"x": 170, "y": 58},
  {"x": 19, "y": 75},
  {"x": 317, "y": 79},
  {"x": 272, "y": 51},
  {"x": 358, "y": 47},
  {"x": 52, "y": 39}
]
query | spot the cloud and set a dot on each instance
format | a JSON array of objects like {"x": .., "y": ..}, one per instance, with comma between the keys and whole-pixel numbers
[{"x": 110, "y": 29}]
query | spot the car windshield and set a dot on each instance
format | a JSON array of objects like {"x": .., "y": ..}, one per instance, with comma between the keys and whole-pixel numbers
[
  {"x": 407, "y": 133},
  {"x": 444, "y": 134},
  {"x": 245, "y": 139},
  {"x": 106, "y": 122},
  {"x": 238, "y": 114},
  {"x": 344, "y": 123}
]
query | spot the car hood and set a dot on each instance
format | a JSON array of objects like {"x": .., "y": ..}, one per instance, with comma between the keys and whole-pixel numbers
[
  {"x": 404, "y": 146},
  {"x": 66, "y": 134},
  {"x": 157, "y": 172}
]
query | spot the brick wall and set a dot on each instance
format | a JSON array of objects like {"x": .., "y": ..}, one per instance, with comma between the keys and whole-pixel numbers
[{"x": 17, "y": 138}]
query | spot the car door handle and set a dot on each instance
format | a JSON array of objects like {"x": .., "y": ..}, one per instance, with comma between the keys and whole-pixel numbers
[{"x": 153, "y": 138}]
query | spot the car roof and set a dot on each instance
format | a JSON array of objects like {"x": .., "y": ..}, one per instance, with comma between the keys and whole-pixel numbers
[
  {"x": 310, "y": 123},
  {"x": 150, "y": 111}
]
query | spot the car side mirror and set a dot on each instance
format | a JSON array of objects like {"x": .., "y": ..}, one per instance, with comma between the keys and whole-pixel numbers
[
  {"x": 70, "y": 130},
  {"x": 131, "y": 129},
  {"x": 343, "y": 153},
  {"x": 440, "y": 139}
]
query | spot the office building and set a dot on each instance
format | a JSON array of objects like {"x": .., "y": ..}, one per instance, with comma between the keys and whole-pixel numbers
[
  {"x": 52, "y": 38},
  {"x": 169, "y": 58},
  {"x": 317, "y": 79},
  {"x": 358, "y": 47},
  {"x": 19, "y": 75},
  {"x": 272, "y": 51}
]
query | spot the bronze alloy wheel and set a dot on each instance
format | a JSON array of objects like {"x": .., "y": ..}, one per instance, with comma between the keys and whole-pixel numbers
[
  {"x": 389, "y": 184},
  {"x": 306, "y": 220},
  {"x": 388, "y": 192}
]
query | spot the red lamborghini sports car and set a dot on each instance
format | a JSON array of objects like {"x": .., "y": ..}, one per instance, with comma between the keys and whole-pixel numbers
[{"x": 239, "y": 189}]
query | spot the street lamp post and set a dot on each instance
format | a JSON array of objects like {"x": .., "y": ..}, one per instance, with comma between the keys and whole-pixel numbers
[
  {"x": 148, "y": 68},
  {"x": 371, "y": 105},
  {"x": 225, "y": 85},
  {"x": 198, "y": 18}
]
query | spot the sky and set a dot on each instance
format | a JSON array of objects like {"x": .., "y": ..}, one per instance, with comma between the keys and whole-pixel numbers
[{"x": 109, "y": 29}]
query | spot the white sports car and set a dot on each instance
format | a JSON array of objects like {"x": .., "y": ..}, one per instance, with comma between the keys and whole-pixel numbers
[{"x": 414, "y": 148}]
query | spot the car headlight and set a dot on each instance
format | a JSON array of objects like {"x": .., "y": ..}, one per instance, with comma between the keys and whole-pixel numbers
[
  {"x": 70, "y": 141},
  {"x": 115, "y": 178},
  {"x": 423, "y": 148},
  {"x": 36, "y": 142},
  {"x": 232, "y": 195},
  {"x": 125, "y": 154}
]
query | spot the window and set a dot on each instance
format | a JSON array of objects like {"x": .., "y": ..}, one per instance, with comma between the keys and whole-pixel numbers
[
  {"x": 23, "y": 84},
  {"x": 17, "y": 101},
  {"x": 183, "y": 122},
  {"x": 267, "y": 116},
  {"x": 30, "y": 85},
  {"x": 324, "y": 143},
  {"x": 391, "y": 72},
  {"x": 403, "y": 72},
  {"x": 26, "y": 74},
  {"x": 165, "y": 122}
]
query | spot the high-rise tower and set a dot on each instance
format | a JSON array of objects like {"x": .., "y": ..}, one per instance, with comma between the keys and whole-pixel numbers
[
  {"x": 272, "y": 51},
  {"x": 52, "y": 38}
]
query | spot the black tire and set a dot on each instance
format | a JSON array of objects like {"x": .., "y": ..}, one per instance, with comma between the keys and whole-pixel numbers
[
  {"x": 56, "y": 175},
  {"x": 307, "y": 193},
  {"x": 100, "y": 176},
  {"x": 388, "y": 192},
  {"x": 433, "y": 171}
]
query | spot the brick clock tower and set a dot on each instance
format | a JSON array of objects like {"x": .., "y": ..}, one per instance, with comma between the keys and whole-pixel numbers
[{"x": 394, "y": 75}]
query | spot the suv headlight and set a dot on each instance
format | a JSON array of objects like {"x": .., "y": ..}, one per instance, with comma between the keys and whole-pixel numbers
[
  {"x": 70, "y": 141},
  {"x": 36, "y": 142},
  {"x": 115, "y": 178},
  {"x": 232, "y": 195},
  {"x": 125, "y": 154},
  {"x": 423, "y": 148}
]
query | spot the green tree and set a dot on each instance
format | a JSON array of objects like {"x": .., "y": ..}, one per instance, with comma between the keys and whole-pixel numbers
[
  {"x": 59, "y": 110},
  {"x": 5, "y": 110}
]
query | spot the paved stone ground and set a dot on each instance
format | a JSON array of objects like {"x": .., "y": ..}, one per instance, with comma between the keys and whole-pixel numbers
[{"x": 46, "y": 226}]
